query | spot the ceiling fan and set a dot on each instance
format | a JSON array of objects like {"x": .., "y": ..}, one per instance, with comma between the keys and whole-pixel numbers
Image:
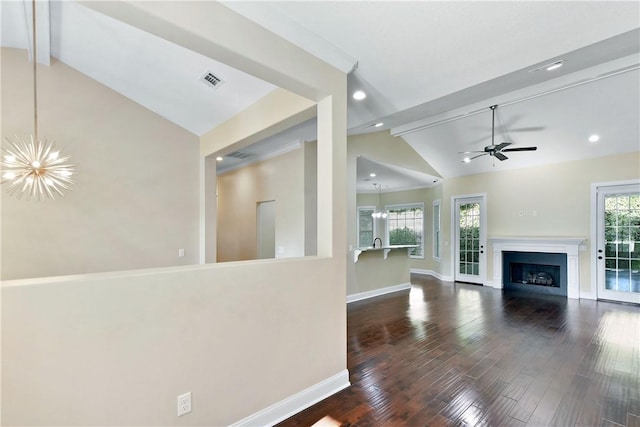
[{"x": 494, "y": 150}]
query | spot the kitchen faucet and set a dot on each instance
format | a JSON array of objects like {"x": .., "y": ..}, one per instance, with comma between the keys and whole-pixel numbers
[{"x": 374, "y": 241}]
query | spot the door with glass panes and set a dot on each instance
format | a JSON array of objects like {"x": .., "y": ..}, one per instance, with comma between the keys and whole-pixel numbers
[
  {"x": 470, "y": 239},
  {"x": 618, "y": 243}
]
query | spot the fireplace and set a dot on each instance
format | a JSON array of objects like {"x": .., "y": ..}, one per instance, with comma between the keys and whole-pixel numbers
[
  {"x": 569, "y": 247},
  {"x": 538, "y": 272}
]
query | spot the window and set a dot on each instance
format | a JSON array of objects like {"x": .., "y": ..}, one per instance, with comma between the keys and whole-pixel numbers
[
  {"x": 436, "y": 230},
  {"x": 405, "y": 225},
  {"x": 366, "y": 226}
]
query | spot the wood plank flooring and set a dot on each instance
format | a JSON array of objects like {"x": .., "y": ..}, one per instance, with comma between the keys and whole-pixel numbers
[{"x": 462, "y": 355}]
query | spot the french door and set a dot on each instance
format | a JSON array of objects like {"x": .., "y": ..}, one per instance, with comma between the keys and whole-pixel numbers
[
  {"x": 470, "y": 239},
  {"x": 618, "y": 243}
]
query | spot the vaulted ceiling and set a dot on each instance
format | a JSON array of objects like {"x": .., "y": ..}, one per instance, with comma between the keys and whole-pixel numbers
[{"x": 430, "y": 70}]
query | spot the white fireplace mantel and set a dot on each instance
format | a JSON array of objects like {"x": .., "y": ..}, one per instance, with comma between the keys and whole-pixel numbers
[{"x": 563, "y": 245}]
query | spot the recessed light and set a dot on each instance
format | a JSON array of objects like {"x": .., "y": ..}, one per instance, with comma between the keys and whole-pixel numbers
[
  {"x": 594, "y": 138},
  {"x": 377, "y": 125},
  {"x": 372, "y": 175},
  {"x": 219, "y": 158},
  {"x": 359, "y": 95},
  {"x": 555, "y": 65}
]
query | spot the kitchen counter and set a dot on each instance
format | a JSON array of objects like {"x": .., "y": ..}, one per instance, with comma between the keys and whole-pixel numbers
[{"x": 385, "y": 249}]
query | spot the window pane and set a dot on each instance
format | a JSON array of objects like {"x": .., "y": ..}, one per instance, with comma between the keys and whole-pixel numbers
[
  {"x": 365, "y": 226},
  {"x": 405, "y": 227}
]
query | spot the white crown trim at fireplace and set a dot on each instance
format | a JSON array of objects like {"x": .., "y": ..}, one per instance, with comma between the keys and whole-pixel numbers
[{"x": 563, "y": 245}]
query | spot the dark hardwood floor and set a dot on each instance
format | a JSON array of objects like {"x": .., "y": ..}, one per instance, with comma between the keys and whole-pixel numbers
[{"x": 456, "y": 354}]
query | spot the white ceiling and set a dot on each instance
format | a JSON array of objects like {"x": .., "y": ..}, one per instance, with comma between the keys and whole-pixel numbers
[
  {"x": 389, "y": 177},
  {"x": 162, "y": 76},
  {"x": 420, "y": 63}
]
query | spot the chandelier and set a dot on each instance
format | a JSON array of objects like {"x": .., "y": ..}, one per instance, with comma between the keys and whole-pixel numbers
[
  {"x": 379, "y": 213},
  {"x": 30, "y": 166}
]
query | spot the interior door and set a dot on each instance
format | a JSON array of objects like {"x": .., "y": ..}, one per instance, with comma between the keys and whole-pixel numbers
[
  {"x": 470, "y": 239},
  {"x": 266, "y": 227},
  {"x": 618, "y": 243}
]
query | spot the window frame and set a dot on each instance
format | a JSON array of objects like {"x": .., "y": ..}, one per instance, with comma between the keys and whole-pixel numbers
[
  {"x": 406, "y": 206},
  {"x": 437, "y": 230},
  {"x": 373, "y": 221}
]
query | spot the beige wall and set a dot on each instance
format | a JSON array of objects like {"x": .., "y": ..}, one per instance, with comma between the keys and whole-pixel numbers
[
  {"x": 240, "y": 336},
  {"x": 560, "y": 193},
  {"x": 311, "y": 198},
  {"x": 280, "y": 179},
  {"x": 135, "y": 200},
  {"x": 117, "y": 349},
  {"x": 375, "y": 272},
  {"x": 425, "y": 196},
  {"x": 381, "y": 147}
]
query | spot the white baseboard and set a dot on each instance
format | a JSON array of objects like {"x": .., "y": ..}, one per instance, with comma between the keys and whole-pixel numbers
[
  {"x": 298, "y": 402},
  {"x": 588, "y": 295},
  {"x": 378, "y": 292},
  {"x": 432, "y": 273}
]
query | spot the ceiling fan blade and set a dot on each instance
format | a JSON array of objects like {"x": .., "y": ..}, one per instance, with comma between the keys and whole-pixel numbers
[
  {"x": 474, "y": 157},
  {"x": 498, "y": 155},
  {"x": 469, "y": 152},
  {"x": 500, "y": 147},
  {"x": 521, "y": 149},
  {"x": 528, "y": 129}
]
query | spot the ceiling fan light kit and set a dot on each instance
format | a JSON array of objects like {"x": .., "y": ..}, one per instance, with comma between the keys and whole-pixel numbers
[{"x": 493, "y": 150}]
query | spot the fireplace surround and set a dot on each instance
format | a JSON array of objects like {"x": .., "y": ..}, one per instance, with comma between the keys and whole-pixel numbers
[{"x": 559, "y": 245}]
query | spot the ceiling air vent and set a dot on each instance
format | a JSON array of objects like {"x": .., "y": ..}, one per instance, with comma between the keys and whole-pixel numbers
[
  {"x": 211, "y": 80},
  {"x": 239, "y": 155}
]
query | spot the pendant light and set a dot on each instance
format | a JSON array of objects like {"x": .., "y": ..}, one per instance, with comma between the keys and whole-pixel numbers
[
  {"x": 33, "y": 167},
  {"x": 379, "y": 213}
]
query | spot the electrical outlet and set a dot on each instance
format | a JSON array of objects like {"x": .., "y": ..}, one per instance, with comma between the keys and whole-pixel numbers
[
  {"x": 184, "y": 404},
  {"x": 180, "y": 252}
]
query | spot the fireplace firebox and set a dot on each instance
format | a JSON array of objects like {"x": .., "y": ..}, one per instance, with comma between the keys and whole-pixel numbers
[{"x": 539, "y": 272}]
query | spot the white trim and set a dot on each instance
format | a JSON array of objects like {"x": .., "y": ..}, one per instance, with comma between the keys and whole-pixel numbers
[
  {"x": 594, "y": 232},
  {"x": 377, "y": 292},
  {"x": 435, "y": 246},
  {"x": 592, "y": 294},
  {"x": 432, "y": 273},
  {"x": 298, "y": 402}
]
